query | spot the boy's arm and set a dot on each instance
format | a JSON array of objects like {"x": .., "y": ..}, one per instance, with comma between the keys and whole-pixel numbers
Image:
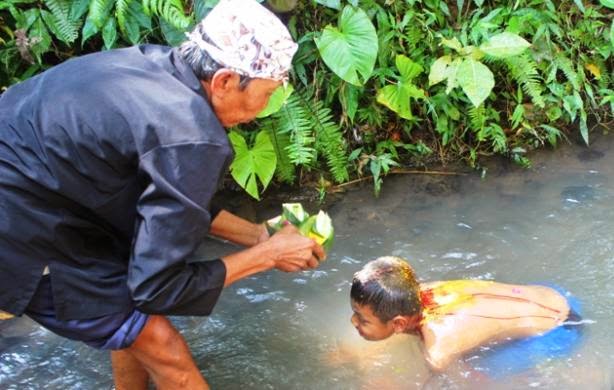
[
  {"x": 368, "y": 356},
  {"x": 238, "y": 230},
  {"x": 437, "y": 361}
]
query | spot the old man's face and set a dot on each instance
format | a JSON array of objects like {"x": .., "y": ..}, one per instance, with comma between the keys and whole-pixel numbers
[{"x": 234, "y": 104}]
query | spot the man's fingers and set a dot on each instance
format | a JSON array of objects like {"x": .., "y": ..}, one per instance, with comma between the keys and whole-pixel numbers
[
  {"x": 319, "y": 252},
  {"x": 313, "y": 262},
  {"x": 288, "y": 267}
]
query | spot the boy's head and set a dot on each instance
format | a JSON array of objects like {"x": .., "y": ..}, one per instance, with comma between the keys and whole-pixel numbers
[{"x": 385, "y": 298}]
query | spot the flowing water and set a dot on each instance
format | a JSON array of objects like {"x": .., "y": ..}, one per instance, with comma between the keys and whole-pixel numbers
[{"x": 551, "y": 224}]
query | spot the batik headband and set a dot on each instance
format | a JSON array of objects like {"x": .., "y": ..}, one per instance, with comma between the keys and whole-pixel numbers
[{"x": 247, "y": 38}]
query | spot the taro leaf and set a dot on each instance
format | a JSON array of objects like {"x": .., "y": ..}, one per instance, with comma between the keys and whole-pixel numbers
[
  {"x": 476, "y": 80},
  {"x": 350, "y": 49},
  {"x": 504, "y": 45},
  {"x": 277, "y": 100},
  {"x": 398, "y": 97},
  {"x": 259, "y": 161},
  {"x": 439, "y": 70},
  {"x": 607, "y": 3}
]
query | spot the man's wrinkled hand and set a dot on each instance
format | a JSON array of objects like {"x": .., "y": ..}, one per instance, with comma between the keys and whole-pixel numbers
[{"x": 292, "y": 252}]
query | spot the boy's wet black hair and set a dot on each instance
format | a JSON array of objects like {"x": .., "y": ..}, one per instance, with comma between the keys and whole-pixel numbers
[{"x": 389, "y": 286}]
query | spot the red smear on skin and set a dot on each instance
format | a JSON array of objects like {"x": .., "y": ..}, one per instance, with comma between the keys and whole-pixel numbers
[{"x": 427, "y": 297}]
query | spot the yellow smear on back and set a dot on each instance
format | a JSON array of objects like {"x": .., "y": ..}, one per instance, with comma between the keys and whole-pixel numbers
[{"x": 450, "y": 296}]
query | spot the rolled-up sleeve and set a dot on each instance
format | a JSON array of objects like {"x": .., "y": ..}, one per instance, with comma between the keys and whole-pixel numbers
[{"x": 173, "y": 218}]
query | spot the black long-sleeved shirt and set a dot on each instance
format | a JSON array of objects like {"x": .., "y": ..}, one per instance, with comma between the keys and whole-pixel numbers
[{"x": 108, "y": 164}]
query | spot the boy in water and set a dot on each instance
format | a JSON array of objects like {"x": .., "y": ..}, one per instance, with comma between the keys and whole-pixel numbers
[{"x": 455, "y": 317}]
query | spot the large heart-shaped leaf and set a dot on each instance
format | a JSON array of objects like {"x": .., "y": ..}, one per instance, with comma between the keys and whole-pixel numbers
[
  {"x": 475, "y": 79},
  {"x": 504, "y": 45},
  {"x": 607, "y": 3},
  {"x": 259, "y": 161},
  {"x": 350, "y": 49}
]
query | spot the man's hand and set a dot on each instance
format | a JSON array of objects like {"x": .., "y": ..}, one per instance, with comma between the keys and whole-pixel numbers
[
  {"x": 287, "y": 250},
  {"x": 294, "y": 252}
]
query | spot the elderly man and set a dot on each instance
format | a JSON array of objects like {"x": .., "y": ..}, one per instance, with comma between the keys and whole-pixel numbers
[{"x": 108, "y": 164}]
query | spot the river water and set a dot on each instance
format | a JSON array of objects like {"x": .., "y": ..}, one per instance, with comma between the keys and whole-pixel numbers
[{"x": 552, "y": 224}]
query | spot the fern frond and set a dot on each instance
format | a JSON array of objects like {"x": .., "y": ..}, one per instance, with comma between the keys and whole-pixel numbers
[
  {"x": 566, "y": 66},
  {"x": 293, "y": 119},
  {"x": 60, "y": 24},
  {"x": 304, "y": 129},
  {"x": 498, "y": 138},
  {"x": 172, "y": 11},
  {"x": 524, "y": 71},
  {"x": 477, "y": 118},
  {"x": 285, "y": 170},
  {"x": 329, "y": 141}
]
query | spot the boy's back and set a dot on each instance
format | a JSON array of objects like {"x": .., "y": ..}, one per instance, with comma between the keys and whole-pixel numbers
[{"x": 460, "y": 315}]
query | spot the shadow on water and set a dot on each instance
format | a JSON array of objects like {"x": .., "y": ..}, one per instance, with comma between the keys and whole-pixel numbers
[{"x": 550, "y": 224}]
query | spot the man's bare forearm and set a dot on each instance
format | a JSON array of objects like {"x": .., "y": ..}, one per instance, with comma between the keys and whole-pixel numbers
[{"x": 238, "y": 230}]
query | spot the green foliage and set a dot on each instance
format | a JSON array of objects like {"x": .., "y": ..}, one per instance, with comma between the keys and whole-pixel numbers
[
  {"x": 329, "y": 141},
  {"x": 170, "y": 11},
  {"x": 309, "y": 128},
  {"x": 63, "y": 20},
  {"x": 398, "y": 97},
  {"x": 351, "y": 48},
  {"x": 523, "y": 70},
  {"x": 277, "y": 100},
  {"x": 294, "y": 120},
  {"x": 465, "y": 70},
  {"x": 249, "y": 164},
  {"x": 502, "y": 77},
  {"x": 475, "y": 79}
]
